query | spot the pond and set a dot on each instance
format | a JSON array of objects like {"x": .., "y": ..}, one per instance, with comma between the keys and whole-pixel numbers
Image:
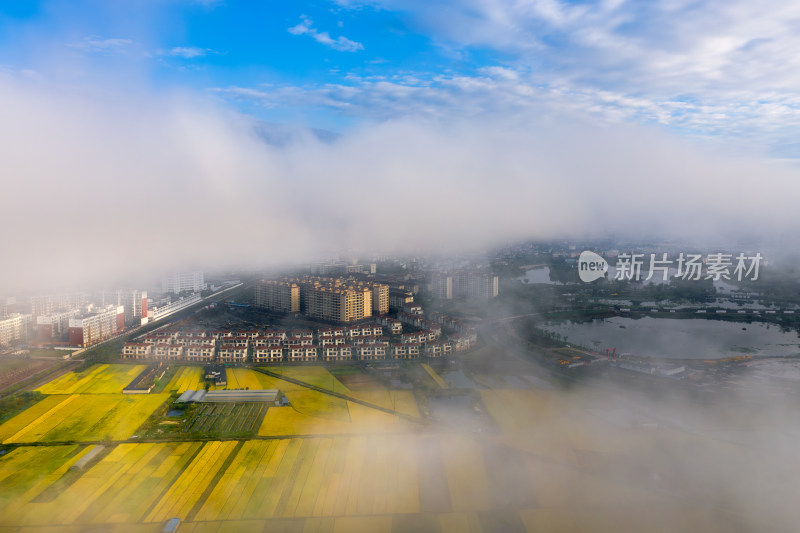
[
  {"x": 537, "y": 275},
  {"x": 679, "y": 338}
]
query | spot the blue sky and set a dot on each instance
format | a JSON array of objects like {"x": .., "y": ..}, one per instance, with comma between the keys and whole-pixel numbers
[{"x": 711, "y": 70}]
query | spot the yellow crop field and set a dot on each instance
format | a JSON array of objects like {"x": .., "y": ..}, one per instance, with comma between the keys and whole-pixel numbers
[
  {"x": 80, "y": 417},
  {"x": 191, "y": 378},
  {"x": 27, "y": 471},
  {"x": 181, "y": 497},
  {"x": 280, "y": 421},
  {"x": 401, "y": 401},
  {"x": 99, "y": 379},
  {"x": 333, "y": 478},
  {"x": 366, "y": 419},
  {"x": 30, "y": 415},
  {"x": 315, "y": 413},
  {"x": 313, "y": 375},
  {"x": 186, "y": 378},
  {"x": 315, "y": 478},
  {"x": 244, "y": 378},
  {"x": 119, "y": 489}
]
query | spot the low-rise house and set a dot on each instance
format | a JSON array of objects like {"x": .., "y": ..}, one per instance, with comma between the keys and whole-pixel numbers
[
  {"x": 203, "y": 352},
  {"x": 268, "y": 354},
  {"x": 370, "y": 352},
  {"x": 302, "y": 353},
  {"x": 405, "y": 351},
  {"x": 232, "y": 354},
  {"x": 337, "y": 353},
  {"x": 136, "y": 350}
]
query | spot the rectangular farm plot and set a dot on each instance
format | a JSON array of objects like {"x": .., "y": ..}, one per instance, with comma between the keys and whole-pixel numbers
[
  {"x": 187, "y": 490},
  {"x": 28, "y": 471},
  {"x": 205, "y": 482},
  {"x": 122, "y": 488},
  {"x": 186, "y": 378},
  {"x": 313, "y": 375},
  {"x": 324, "y": 477},
  {"x": 315, "y": 413},
  {"x": 310, "y": 412},
  {"x": 226, "y": 418},
  {"x": 80, "y": 417},
  {"x": 244, "y": 378},
  {"x": 192, "y": 378},
  {"x": 99, "y": 379},
  {"x": 400, "y": 401}
]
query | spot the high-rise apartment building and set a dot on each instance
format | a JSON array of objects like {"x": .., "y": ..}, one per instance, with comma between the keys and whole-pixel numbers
[
  {"x": 380, "y": 299},
  {"x": 441, "y": 286},
  {"x": 97, "y": 327},
  {"x": 14, "y": 328},
  {"x": 278, "y": 296},
  {"x": 183, "y": 281},
  {"x": 134, "y": 302},
  {"x": 335, "y": 299},
  {"x": 8, "y": 306},
  {"x": 53, "y": 326},
  {"x": 52, "y": 303},
  {"x": 469, "y": 284}
]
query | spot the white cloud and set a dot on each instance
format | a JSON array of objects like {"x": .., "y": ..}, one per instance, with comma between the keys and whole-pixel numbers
[
  {"x": 341, "y": 43},
  {"x": 190, "y": 52},
  {"x": 146, "y": 183},
  {"x": 97, "y": 44},
  {"x": 500, "y": 91},
  {"x": 723, "y": 60}
]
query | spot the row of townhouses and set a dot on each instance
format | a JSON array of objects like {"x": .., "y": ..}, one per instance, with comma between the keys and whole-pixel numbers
[{"x": 229, "y": 353}]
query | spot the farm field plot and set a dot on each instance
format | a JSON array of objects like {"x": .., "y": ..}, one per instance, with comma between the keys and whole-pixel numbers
[
  {"x": 186, "y": 378},
  {"x": 310, "y": 412},
  {"x": 226, "y": 418},
  {"x": 244, "y": 378},
  {"x": 99, "y": 379},
  {"x": 81, "y": 417},
  {"x": 10, "y": 365},
  {"x": 315, "y": 478},
  {"x": 368, "y": 420},
  {"x": 313, "y": 375},
  {"x": 401, "y": 401},
  {"x": 314, "y": 413},
  {"x": 13, "y": 371},
  {"x": 460, "y": 482},
  {"x": 121, "y": 488},
  {"x": 27, "y": 471},
  {"x": 356, "y": 379},
  {"x": 191, "y": 378}
]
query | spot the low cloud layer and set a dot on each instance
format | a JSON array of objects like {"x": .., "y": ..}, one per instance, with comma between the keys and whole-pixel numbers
[{"x": 109, "y": 184}]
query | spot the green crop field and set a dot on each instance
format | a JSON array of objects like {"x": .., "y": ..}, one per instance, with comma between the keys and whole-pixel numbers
[{"x": 226, "y": 418}]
